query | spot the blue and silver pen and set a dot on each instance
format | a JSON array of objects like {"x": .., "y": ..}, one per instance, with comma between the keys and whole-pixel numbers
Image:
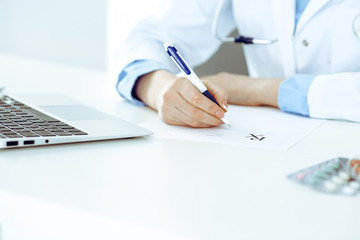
[{"x": 190, "y": 75}]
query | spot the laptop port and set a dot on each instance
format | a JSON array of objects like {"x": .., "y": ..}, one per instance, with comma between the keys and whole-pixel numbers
[
  {"x": 12, "y": 143},
  {"x": 29, "y": 142}
]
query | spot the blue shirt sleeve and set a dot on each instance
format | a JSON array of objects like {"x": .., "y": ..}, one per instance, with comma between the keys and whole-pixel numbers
[
  {"x": 293, "y": 94},
  {"x": 128, "y": 78}
]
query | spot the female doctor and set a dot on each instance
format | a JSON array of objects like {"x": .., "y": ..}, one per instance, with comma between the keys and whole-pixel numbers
[{"x": 305, "y": 59}]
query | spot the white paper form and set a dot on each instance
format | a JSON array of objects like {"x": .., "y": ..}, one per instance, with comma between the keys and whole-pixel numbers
[{"x": 261, "y": 127}]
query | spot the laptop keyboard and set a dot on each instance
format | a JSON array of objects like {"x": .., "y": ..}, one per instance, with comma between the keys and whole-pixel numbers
[{"x": 18, "y": 120}]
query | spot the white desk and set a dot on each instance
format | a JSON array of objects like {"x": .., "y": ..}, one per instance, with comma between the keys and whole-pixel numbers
[{"x": 147, "y": 188}]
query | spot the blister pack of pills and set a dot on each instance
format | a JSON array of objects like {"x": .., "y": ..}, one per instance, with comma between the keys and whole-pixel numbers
[{"x": 337, "y": 176}]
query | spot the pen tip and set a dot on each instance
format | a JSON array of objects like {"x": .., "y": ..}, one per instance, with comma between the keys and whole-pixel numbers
[{"x": 227, "y": 122}]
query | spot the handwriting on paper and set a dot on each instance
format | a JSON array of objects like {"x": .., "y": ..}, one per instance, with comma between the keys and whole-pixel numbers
[
  {"x": 248, "y": 129},
  {"x": 254, "y": 137}
]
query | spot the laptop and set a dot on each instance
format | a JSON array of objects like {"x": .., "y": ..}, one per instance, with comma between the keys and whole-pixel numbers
[{"x": 43, "y": 119}]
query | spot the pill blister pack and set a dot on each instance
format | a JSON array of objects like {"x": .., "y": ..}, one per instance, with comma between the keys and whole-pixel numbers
[{"x": 337, "y": 176}]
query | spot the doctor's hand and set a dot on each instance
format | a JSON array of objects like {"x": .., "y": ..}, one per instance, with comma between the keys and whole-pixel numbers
[
  {"x": 244, "y": 90},
  {"x": 178, "y": 102}
]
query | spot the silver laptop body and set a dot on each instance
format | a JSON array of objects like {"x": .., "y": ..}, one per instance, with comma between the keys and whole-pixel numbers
[{"x": 43, "y": 119}]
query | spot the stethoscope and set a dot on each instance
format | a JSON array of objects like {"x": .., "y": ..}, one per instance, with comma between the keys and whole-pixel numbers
[
  {"x": 238, "y": 38},
  {"x": 250, "y": 40}
]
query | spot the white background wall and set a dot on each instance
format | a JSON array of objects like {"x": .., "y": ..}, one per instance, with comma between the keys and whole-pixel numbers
[
  {"x": 64, "y": 31},
  {"x": 83, "y": 33}
]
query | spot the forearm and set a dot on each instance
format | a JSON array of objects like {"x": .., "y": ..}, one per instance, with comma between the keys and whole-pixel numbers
[
  {"x": 244, "y": 90},
  {"x": 261, "y": 92},
  {"x": 150, "y": 86}
]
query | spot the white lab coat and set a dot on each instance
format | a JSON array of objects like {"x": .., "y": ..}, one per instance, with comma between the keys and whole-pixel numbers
[{"x": 332, "y": 51}]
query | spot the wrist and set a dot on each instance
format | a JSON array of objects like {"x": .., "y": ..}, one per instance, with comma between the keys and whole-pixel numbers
[
  {"x": 149, "y": 87},
  {"x": 244, "y": 90},
  {"x": 267, "y": 91}
]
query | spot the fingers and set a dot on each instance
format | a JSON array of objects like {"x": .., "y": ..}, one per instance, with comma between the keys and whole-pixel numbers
[
  {"x": 183, "y": 104},
  {"x": 190, "y": 121},
  {"x": 219, "y": 94},
  {"x": 179, "y": 118},
  {"x": 197, "y": 114},
  {"x": 192, "y": 95}
]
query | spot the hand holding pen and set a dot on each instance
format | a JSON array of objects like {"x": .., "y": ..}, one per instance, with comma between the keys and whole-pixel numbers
[
  {"x": 179, "y": 102},
  {"x": 192, "y": 77}
]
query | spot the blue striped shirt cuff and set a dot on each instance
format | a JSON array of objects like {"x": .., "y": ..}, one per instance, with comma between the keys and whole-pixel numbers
[
  {"x": 293, "y": 94},
  {"x": 127, "y": 78}
]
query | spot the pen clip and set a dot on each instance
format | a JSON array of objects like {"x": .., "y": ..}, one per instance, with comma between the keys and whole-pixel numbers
[{"x": 172, "y": 51}]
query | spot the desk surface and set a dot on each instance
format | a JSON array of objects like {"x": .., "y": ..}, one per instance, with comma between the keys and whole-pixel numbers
[{"x": 167, "y": 185}]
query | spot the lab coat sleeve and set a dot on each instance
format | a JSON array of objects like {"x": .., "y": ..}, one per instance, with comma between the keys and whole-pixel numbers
[
  {"x": 129, "y": 75},
  {"x": 293, "y": 94},
  {"x": 186, "y": 24},
  {"x": 335, "y": 96}
]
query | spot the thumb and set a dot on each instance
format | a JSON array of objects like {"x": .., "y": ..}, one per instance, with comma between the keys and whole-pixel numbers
[{"x": 219, "y": 94}]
